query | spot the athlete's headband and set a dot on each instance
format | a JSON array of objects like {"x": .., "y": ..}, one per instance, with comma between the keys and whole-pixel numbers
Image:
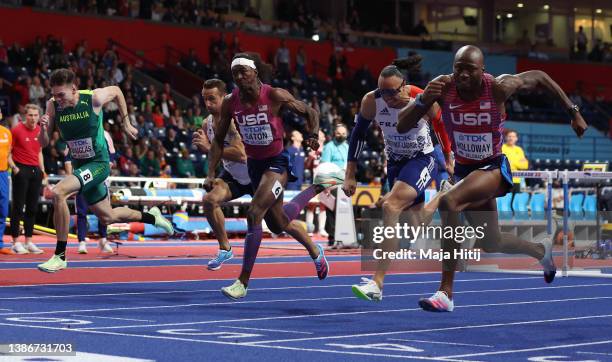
[{"x": 244, "y": 61}]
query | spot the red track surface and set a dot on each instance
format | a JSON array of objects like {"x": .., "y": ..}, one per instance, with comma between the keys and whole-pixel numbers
[{"x": 263, "y": 269}]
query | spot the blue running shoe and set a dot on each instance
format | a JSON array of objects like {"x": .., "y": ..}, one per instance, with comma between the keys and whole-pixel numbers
[
  {"x": 321, "y": 264},
  {"x": 222, "y": 257}
]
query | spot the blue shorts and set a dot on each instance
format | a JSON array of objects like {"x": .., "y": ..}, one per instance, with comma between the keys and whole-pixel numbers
[
  {"x": 279, "y": 164},
  {"x": 236, "y": 188},
  {"x": 418, "y": 172},
  {"x": 500, "y": 162}
]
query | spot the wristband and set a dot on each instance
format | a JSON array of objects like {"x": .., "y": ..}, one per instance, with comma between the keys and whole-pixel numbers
[{"x": 419, "y": 100}]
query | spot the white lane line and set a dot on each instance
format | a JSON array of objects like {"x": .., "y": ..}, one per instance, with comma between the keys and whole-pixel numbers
[
  {"x": 114, "y": 318},
  {"x": 288, "y": 300},
  {"x": 232, "y": 343},
  {"x": 346, "y": 314},
  {"x": 596, "y": 353},
  {"x": 437, "y": 329},
  {"x": 265, "y": 330},
  {"x": 449, "y": 343},
  {"x": 251, "y": 289},
  {"x": 532, "y": 349}
]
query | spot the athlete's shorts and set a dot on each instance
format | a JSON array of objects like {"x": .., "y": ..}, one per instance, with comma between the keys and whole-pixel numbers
[
  {"x": 500, "y": 162},
  {"x": 92, "y": 176},
  {"x": 417, "y": 172},
  {"x": 279, "y": 164},
  {"x": 236, "y": 188}
]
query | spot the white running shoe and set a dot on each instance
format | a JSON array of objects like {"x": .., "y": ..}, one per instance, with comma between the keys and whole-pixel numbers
[
  {"x": 235, "y": 291},
  {"x": 547, "y": 262},
  {"x": 328, "y": 174},
  {"x": 438, "y": 302},
  {"x": 105, "y": 246},
  {"x": 367, "y": 290},
  {"x": 32, "y": 248},
  {"x": 82, "y": 247},
  {"x": 19, "y": 249}
]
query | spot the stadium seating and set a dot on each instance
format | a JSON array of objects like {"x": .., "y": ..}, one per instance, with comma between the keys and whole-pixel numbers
[
  {"x": 537, "y": 204},
  {"x": 504, "y": 206},
  {"x": 590, "y": 207},
  {"x": 575, "y": 206},
  {"x": 519, "y": 206}
]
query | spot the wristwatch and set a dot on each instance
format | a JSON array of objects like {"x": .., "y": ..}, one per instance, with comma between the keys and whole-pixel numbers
[
  {"x": 419, "y": 100},
  {"x": 573, "y": 109}
]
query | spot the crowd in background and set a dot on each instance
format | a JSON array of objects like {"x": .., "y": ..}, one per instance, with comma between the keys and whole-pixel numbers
[{"x": 165, "y": 125}]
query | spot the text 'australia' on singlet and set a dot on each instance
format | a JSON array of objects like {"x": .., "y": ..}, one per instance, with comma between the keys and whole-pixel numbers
[
  {"x": 475, "y": 127},
  {"x": 261, "y": 131},
  {"x": 239, "y": 171},
  {"x": 81, "y": 128},
  {"x": 399, "y": 146}
]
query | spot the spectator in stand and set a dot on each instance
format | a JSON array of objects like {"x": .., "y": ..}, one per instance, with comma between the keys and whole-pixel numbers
[
  {"x": 157, "y": 117},
  {"x": 420, "y": 29},
  {"x": 282, "y": 61},
  {"x": 28, "y": 173},
  {"x": 184, "y": 165},
  {"x": 296, "y": 160},
  {"x": 335, "y": 151},
  {"x": 363, "y": 81},
  {"x": 171, "y": 142},
  {"x": 198, "y": 118},
  {"x": 311, "y": 163},
  {"x": 36, "y": 92},
  {"x": 149, "y": 164},
  {"x": 22, "y": 90},
  {"x": 301, "y": 60},
  {"x": 126, "y": 160},
  {"x": 581, "y": 43},
  {"x": 516, "y": 157},
  {"x": 147, "y": 102},
  {"x": 167, "y": 105}
]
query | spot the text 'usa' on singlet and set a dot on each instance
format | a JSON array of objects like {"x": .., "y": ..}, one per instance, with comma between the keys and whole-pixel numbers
[
  {"x": 475, "y": 127},
  {"x": 261, "y": 131}
]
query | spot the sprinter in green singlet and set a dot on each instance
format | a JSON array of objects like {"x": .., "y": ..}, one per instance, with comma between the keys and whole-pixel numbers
[{"x": 77, "y": 114}]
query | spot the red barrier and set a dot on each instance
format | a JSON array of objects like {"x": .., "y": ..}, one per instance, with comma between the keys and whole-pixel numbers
[
  {"x": 148, "y": 38},
  {"x": 596, "y": 79}
]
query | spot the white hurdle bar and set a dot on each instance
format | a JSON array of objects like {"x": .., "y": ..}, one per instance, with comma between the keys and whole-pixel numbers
[{"x": 565, "y": 176}]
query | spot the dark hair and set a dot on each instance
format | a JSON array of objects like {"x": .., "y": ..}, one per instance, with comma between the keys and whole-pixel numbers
[
  {"x": 391, "y": 71},
  {"x": 412, "y": 62},
  {"x": 507, "y": 131},
  {"x": 215, "y": 83},
  {"x": 264, "y": 70},
  {"x": 62, "y": 76}
]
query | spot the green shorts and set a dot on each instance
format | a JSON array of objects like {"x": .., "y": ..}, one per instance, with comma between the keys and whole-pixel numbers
[{"x": 92, "y": 175}]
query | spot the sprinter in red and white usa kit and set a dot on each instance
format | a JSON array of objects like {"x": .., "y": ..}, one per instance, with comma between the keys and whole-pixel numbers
[
  {"x": 255, "y": 107},
  {"x": 473, "y": 112}
]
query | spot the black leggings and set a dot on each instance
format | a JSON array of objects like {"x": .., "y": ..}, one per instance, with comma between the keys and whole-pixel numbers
[{"x": 26, "y": 191}]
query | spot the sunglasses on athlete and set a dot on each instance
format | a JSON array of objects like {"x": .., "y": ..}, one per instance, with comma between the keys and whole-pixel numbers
[{"x": 392, "y": 92}]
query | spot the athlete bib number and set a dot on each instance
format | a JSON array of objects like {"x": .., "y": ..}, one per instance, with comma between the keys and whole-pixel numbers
[
  {"x": 474, "y": 146},
  {"x": 260, "y": 135},
  {"x": 86, "y": 176},
  {"x": 81, "y": 149}
]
